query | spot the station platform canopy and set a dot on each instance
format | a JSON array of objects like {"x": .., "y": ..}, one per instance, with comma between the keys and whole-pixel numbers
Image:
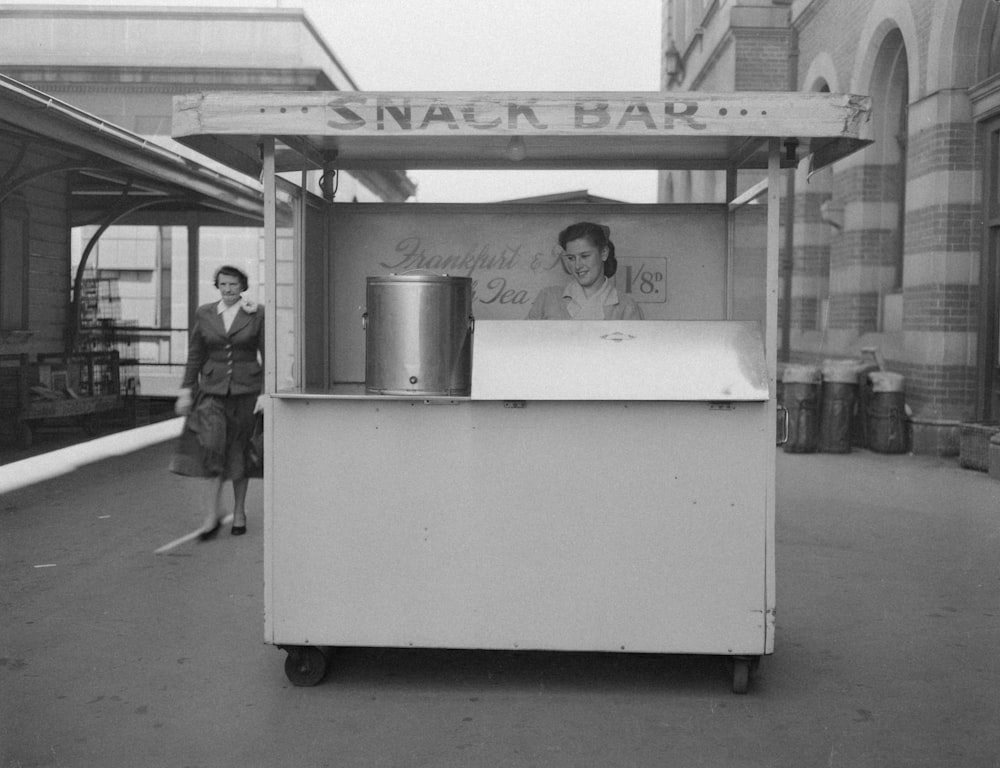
[
  {"x": 521, "y": 130},
  {"x": 112, "y": 170}
]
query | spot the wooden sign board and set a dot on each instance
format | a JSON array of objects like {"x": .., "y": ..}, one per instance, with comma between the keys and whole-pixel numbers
[
  {"x": 354, "y": 113},
  {"x": 355, "y": 129}
]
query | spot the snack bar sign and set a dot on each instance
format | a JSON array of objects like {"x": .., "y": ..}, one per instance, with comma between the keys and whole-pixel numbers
[
  {"x": 465, "y": 114},
  {"x": 405, "y": 115}
]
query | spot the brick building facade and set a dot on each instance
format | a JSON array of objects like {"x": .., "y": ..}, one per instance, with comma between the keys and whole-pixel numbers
[{"x": 898, "y": 246}]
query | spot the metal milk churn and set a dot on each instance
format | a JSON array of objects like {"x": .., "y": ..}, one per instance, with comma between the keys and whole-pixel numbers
[{"x": 418, "y": 335}]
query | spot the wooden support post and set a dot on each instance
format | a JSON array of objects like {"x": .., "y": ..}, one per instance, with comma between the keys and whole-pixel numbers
[
  {"x": 773, "y": 253},
  {"x": 270, "y": 263},
  {"x": 270, "y": 366},
  {"x": 301, "y": 240},
  {"x": 164, "y": 278},
  {"x": 771, "y": 356},
  {"x": 193, "y": 270}
]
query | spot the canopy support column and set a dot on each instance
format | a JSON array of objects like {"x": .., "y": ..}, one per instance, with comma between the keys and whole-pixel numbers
[
  {"x": 771, "y": 356},
  {"x": 270, "y": 262},
  {"x": 193, "y": 269}
]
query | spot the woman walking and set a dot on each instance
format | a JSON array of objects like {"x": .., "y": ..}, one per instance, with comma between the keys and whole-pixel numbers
[{"x": 220, "y": 394}]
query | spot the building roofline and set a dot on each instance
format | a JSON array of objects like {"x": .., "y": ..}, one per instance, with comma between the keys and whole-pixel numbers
[
  {"x": 390, "y": 184},
  {"x": 181, "y": 12},
  {"x": 570, "y": 196}
]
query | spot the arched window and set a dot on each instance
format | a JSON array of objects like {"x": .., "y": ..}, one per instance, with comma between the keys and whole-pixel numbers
[{"x": 890, "y": 90}]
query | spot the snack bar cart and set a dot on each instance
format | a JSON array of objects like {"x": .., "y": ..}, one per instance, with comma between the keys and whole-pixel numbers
[{"x": 595, "y": 485}]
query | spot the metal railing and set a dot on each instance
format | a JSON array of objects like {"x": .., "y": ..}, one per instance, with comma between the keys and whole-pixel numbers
[
  {"x": 148, "y": 345},
  {"x": 156, "y": 356}
]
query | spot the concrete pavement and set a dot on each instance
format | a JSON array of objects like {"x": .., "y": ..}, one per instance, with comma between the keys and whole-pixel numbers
[{"x": 888, "y": 634}]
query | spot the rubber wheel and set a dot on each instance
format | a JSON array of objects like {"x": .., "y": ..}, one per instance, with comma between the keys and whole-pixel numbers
[
  {"x": 305, "y": 665},
  {"x": 741, "y": 675}
]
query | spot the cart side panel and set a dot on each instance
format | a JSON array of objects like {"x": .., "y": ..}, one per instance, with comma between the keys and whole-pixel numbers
[
  {"x": 557, "y": 525},
  {"x": 315, "y": 277},
  {"x": 747, "y": 278}
]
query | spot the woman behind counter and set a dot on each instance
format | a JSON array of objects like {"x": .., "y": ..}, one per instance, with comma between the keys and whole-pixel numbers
[
  {"x": 223, "y": 364},
  {"x": 589, "y": 256}
]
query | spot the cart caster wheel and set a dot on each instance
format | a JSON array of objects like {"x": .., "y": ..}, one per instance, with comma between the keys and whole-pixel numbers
[
  {"x": 741, "y": 676},
  {"x": 742, "y": 666},
  {"x": 305, "y": 665}
]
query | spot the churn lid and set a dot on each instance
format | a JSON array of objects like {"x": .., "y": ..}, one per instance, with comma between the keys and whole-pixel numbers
[
  {"x": 842, "y": 371},
  {"x": 886, "y": 381},
  {"x": 801, "y": 374}
]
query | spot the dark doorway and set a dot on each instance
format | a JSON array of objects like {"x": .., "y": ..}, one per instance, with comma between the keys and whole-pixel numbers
[{"x": 989, "y": 329}]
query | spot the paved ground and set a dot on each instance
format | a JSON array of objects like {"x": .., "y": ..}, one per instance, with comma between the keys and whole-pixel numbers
[{"x": 886, "y": 654}]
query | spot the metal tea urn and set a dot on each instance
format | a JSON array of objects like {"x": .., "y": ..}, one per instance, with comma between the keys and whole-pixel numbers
[{"x": 418, "y": 335}]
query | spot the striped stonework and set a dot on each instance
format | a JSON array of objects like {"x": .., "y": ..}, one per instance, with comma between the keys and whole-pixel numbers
[
  {"x": 888, "y": 254},
  {"x": 811, "y": 253},
  {"x": 941, "y": 270},
  {"x": 865, "y": 253}
]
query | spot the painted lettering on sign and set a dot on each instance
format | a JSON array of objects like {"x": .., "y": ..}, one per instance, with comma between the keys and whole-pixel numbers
[
  {"x": 497, "y": 291},
  {"x": 480, "y": 262},
  {"x": 404, "y": 114},
  {"x": 349, "y": 119},
  {"x": 510, "y": 274},
  {"x": 598, "y": 114},
  {"x": 645, "y": 280},
  {"x": 413, "y": 254}
]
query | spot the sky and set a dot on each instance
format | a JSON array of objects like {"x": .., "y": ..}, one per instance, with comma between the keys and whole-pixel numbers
[
  {"x": 517, "y": 45},
  {"x": 480, "y": 45}
]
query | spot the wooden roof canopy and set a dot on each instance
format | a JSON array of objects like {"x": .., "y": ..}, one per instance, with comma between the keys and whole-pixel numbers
[{"x": 520, "y": 130}]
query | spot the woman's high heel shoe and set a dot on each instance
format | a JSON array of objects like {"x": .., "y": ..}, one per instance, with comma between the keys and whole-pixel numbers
[
  {"x": 238, "y": 530},
  {"x": 210, "y": 533}
]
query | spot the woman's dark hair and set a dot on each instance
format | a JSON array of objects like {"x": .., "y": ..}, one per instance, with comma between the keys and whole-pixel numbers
[
  {"x": 598, "y": 234},
  {"x": 232, "y": 272}
]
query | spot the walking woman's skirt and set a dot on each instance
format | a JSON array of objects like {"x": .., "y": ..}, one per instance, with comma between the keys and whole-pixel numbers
[{"x": 215, "y": 437}]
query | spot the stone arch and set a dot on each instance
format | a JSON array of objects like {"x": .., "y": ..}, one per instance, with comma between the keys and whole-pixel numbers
[
  {"x": 821, "y": 71},
  {"x": 814, "y": 224},
  {"x": 866, "y": 253},
  {"x": 994, "y": 63},
  {"x": 891, "y": 91},
  {"x": 961, "y": 28},
  {"x": 885, "y": 18}
]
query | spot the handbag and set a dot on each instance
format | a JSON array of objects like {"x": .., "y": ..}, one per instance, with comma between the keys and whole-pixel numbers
[
  {"x": 253, "y": 458},
  {"x": 190, "y": 457}
]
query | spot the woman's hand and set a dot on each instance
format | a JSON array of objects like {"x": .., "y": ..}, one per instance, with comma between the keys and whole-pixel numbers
[
  {"x": 184, "y": 401},
  {"x": 258, "y": 406}
]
